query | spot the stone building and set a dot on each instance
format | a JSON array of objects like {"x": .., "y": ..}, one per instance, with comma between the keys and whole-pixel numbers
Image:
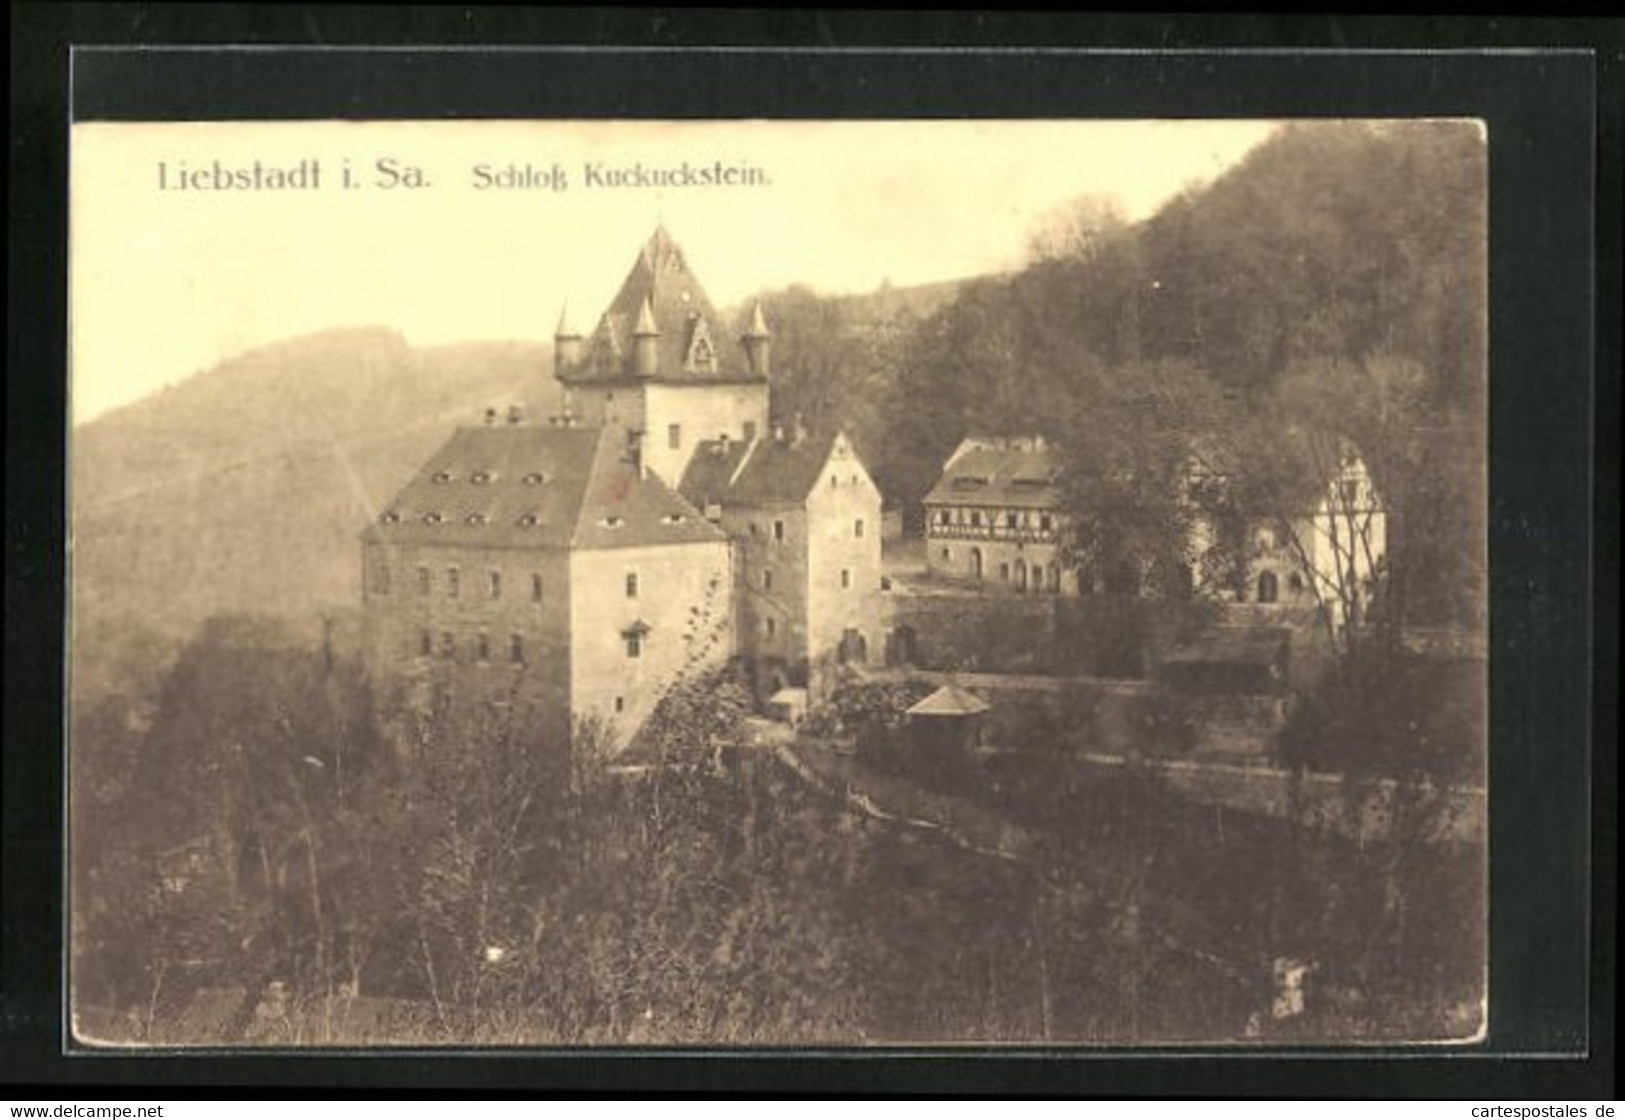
[
  {"x": 805, "y": 518},
  {"x": 548, "y": 560},
  {"x": 993, "y": 517},
  {"x": 560, "y": 558},
  {"x": 659, "y": 365}
]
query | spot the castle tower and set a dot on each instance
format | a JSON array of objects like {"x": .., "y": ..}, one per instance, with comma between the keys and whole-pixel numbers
[{"x": 654, "y": 365}]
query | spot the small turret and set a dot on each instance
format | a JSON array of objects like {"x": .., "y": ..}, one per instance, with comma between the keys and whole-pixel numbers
[
  {"x": 646, "y": 342},
  {"x": 758, "y": 343},
  {"x": 566, "y": 341}
]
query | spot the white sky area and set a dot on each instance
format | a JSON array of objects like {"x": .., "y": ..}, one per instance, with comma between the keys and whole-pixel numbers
[{"x": 165, "y": 283}]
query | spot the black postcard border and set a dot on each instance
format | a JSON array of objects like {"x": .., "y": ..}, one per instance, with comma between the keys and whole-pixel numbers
[{"x": 1554, "y": 446}]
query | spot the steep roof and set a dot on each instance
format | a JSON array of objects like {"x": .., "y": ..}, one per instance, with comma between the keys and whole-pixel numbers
[
  {"x": 781, "y": 471},
  {"x": 1021, "y": 474},
  {"x": 660, "y": 294},
  {"x": 533, "y": 487},
  {"x": 710, "y": 470}
]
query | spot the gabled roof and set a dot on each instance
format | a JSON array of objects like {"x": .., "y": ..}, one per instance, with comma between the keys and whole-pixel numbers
[
  {"x": 950, "y": 700},
  {"x": 780, "y": 471},
  {"x": 660, "y": 295},
  {"x": 1023, "y": 475},
  {"x": 533, "y": 487}
]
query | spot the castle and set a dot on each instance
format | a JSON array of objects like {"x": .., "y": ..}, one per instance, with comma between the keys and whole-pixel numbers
[{"x": 656, "y": 528}]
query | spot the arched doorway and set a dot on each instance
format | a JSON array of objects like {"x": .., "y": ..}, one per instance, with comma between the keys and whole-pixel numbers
[{"x": 1269, "y": 588}]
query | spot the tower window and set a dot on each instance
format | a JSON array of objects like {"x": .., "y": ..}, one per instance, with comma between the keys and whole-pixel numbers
[
  {"x": 771, "y": 625},
  {"x": 767, "y": 579},
  {"x": 947, "y": 554},
  {"x": 1011, "y": 520},
  {"x": 674, "y": 436},
  {"x": 454, "y": 583},
  {"x": 846, "y": 577},
  {"x": 778, "y": 530},
  {"x": 620, "y": 703},
  {"x": 634, "y": 643},
  {"x": 631, "y": 585},
  {"x": 857, "y": 528},
  {"x": 942, "y": 517},
  {"x": 424, "y": 580},
  {"x": 976, "y": 518},
  {"x": 482, "y": 647},
  {"x": 1045, "y": 522},
  {"x": 425, "y": 643},
  {"x": 535, "y": 588},
  {"x": 494, "y": 584},
  {"x": 448, "y": 645},
  {"x": 516, "y": 649}
]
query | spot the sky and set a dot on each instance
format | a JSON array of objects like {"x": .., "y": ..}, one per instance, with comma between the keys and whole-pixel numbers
[{"x": 168, "y": 279}]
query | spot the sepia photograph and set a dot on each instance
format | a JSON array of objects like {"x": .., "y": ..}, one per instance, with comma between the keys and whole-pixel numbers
[{"x": 793, "y": 583}]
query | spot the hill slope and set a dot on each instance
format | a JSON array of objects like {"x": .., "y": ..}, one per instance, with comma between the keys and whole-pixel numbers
[{"x": 245, "y": 486}]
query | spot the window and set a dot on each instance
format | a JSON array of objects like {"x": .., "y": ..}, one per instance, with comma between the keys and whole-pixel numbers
[
  {"x": 846, "y": 577},
  {"x": 425, "y": 643},
  {"x": 534, "y": 478},
  {"x": 778, "y": 530},
  {"x": 535, "y": 588},
  {"x": 750, "y": 430},
  {"x": 528, "y": 520},
  {"x": 1045, "y": 522},
  {"x": 448, "y": 645},
  {"x": 767, "y": 579},
  {"x": 833, "y": 482},
  {"x": 1295, "y": 582},
  {"x": 1268, "y": 587},
  {"x": 516, "y": 649},
  {"x": 857, "y": 528},
  {"x": 442, "y": 477},
  {"x": 620, "y": 703},
  {"x": 480, "y": 478},
  {"x": 1004, "y": 573},
  {"x": 1351, "y": 491},
  {"x": 631, "y": 585},
  {"x": 1011, "y": 520},
  {"x": 771, "y": 626},
  {"x": 947, "y": 554},
  {"x": 942, "y": 517},
  {"x": 494, "y": 584},
  {"x": 380, "y": 579},
  {"x": 482, "y": 647},
  {"x": 976, "y": 517},
  {"x": 424, "y": 580},
  {"x": 634, "y": 643},
  {"x": 674, "y": 436},
  {"x": 454, "y": 583}
]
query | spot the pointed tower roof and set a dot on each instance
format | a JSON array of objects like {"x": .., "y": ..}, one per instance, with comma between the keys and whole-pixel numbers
[
  {"x": 661, "y": 292},
  {"x": 646, "y": 321},
  {"x": 758, "y": 323},
  {"x": 567, "y": 324}
]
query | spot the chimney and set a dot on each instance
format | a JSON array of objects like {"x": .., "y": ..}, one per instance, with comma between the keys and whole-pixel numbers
[
  {"x": 758, "y": 343},
  {"x": 634, "y": 452}
]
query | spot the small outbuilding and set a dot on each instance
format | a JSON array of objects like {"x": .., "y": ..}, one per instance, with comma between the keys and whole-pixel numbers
[{"x": 951, "y": 719}]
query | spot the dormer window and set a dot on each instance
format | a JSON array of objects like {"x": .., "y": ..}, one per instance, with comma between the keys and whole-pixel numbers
[
  {"x": 527, "y": 520},
  {"x": 475, "y": 519},
  {"x": 611, "y": 522},
  {"x": 534, "y": 478},
  {"x": 390, "y": 517},
  {"x": 441, "y": 477},
  {"x": 480, "y": 478},
  {"x": 674, "y": 519},
  {"x": 432, "y": 518}
]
